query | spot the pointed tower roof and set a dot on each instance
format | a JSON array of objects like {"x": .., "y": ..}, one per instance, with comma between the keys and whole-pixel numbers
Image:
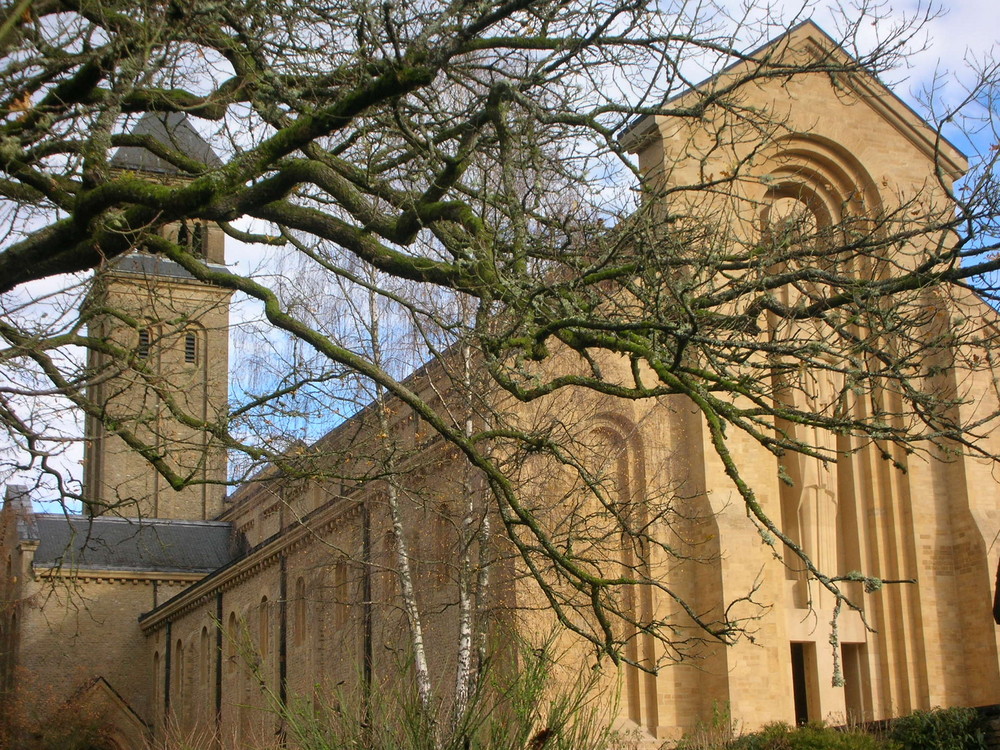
[
  {"x": 172, "y": 129},
  {"x": 17, "y": 501}
]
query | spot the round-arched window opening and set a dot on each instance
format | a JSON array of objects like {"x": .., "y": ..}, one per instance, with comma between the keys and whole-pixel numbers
[
  {"x": 191, "y": 347},
  {"x": 789, "y": 221}
]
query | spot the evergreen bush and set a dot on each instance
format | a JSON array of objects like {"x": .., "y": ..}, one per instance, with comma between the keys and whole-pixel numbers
[
  {"x": 941, "y": 729},
  {"x": 810, "y": 737},
  {"x": 781, "y": 736}
]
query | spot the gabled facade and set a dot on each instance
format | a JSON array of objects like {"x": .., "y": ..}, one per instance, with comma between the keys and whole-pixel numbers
[
  {"x": 847, "y": 152},
  {"x": 300, "y": 572}
]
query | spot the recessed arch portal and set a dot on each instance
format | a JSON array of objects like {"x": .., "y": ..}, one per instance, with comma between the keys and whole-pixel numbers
[
  {"x": 836, "y": 183},
  {"x": 616, "y": 440},
  {"x": 814, "y": 188}
]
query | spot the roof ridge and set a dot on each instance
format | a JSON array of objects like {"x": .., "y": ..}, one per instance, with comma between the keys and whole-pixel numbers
[{"x": 137, "y": 521}]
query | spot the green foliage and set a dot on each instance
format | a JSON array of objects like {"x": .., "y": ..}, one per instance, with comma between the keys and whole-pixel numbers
[
  {"x": 810, "y": 737},
  {"x": 941, "y": 729},
  {"x": 514, "y": 709},
  {"x": 715, "y": 732},
  {"x": 780, "y": 736},
  {"x": 36, "y": 716}
]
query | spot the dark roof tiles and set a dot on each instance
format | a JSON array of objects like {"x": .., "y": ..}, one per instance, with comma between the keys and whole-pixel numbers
[
  {"x": 77, "y": 542},
  {"x": 173, "y": 130},
  {"x": 147, "y": 265}
]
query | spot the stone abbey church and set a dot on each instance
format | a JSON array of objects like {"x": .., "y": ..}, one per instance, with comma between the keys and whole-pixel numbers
[{"x": 147, "y": 615}]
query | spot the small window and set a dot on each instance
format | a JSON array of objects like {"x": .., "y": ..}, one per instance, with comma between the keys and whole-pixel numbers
[
  {"x": 198, "y": 239},
  {"x": 192, "y": 237},
  {"x": 143, "y": 350},
  {"x": 190, "y": 347}
]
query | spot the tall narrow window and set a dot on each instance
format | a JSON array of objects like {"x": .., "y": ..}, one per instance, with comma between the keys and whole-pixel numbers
[
  {"x": 157, "y": 686},
  {"x": 390, "y": 571},
  {"x": 265, "y": 628},
  {"x": 231, "y": 647},
  {"x": 205, "y": 661},
  {"x": 8, "y": 655},
  {"x": 192, "y": 237},
  {"x": 198, "y": 239},
  {"x": 300, "y": 612},
  {"x": 178, "y": 676},
  {"x": 442, "y": 546},
  {"x": 618, "y": 458},
  {"x": 143, "y": 349},
  {"x": 341, "y": 594},
  {"x": 191, "y": 347}
]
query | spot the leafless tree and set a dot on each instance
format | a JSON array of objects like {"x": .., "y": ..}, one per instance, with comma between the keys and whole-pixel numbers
[{"x": 461, "y": 164}]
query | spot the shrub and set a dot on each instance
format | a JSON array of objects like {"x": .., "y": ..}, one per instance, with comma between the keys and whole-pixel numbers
[
  {"x": 941, "y": 729},
  {"x": 36, "y": 716},
  {"x": 809, "y": 737},
  {"x": 514, "y": 709},
  {"x": 780, "y": 736}
]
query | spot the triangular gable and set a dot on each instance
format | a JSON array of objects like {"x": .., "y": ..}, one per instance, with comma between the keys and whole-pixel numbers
[
  {"x": 125, "y": 728},
  {"x": 808, "y": 38}
]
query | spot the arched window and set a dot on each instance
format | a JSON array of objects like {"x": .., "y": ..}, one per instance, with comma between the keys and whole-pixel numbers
[
  {"x": 9, "y": 654},
  {"x": 791, "y": 219},
  {"x": 157, "y": 687},
  {"x": 232, "y": 634},
  {"x": 265, "y": 628},
  {"x": 299, "y": 610},
  {"x": 622, "y": 483},
  {"x": 198, "y": 239},
  {"x": 191, "y": 237},
  {"x": 142, "y": 350},
  {"x": 341, "y": 594},
  {"x": 179, "y": 676},
  {"x": 191, "y": 347},
  {"x": 205, "y": 664}
]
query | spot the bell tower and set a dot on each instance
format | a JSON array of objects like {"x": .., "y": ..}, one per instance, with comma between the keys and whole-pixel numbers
[{"x": 160, "y": 372}]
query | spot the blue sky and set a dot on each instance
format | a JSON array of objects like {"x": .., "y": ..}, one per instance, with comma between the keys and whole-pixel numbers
[
  {"x": 958, "y": 37},
  {"x": 966, "y": 32}
]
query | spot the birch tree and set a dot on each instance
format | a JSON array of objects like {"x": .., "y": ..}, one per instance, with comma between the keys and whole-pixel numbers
[{"x": 470, "y": 152}]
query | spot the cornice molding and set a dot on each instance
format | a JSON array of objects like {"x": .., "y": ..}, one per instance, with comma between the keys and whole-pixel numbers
[{"x": 264, "y": 556}]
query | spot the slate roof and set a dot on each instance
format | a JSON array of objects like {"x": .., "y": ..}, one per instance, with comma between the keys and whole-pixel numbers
[
  {"x": 145, "y": 264},
  {"x": 172, "y": 129},
  {"x": 77, "y": 542}
]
